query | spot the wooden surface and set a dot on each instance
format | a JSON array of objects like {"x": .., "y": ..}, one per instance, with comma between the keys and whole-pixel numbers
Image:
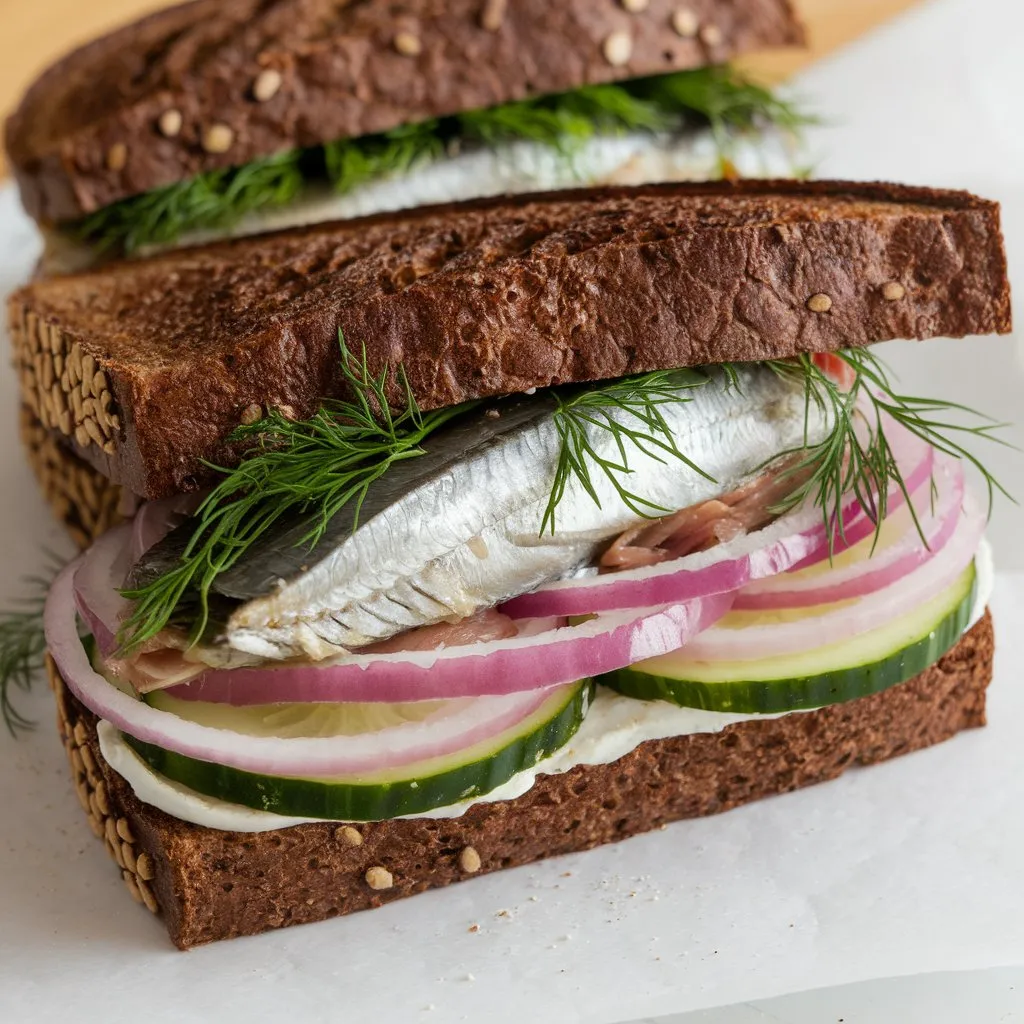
[{"x": 35, "y": 32}]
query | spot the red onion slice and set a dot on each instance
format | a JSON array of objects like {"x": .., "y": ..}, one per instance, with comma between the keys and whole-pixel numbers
[
  {"x": 459, "y": 724},
  {"x": 729, "y": 643},
  {"x": 860, "y": 524},
  {"x": 106, "y": 564},
  {"x": 497, "y": 667},
  {"x": 877, "y": 570},
  {"x": 97, "y": 582},
  {"x": 155, "y": 519}
]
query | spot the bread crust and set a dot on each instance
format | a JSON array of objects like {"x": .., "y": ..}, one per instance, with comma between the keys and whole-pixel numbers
[
  {"x": 88, "y": 131},
  {"x": 210, "y": 885},
  {"x": 149, "y": 365},
  {"x": 84, "y": 501}
]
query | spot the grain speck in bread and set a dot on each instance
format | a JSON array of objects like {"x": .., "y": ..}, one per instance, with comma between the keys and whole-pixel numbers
[
  {"x": 490, "y": 297},
  {"x": 212, "y": 885}
]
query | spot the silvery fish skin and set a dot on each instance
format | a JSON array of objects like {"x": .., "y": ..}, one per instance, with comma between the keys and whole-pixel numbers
[{"x": 457, "y": 530}]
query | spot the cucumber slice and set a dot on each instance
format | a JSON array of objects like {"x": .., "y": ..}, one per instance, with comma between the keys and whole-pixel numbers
[
  {"x": 411, "y": 789},
  {"x": 828, "y": 675}
]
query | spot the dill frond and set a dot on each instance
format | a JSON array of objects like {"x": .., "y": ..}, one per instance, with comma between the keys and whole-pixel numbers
[
  {"x": 629, "y": 410},
  {"x": 856, "y": 458},
  {"x": 22, "y": 647}
]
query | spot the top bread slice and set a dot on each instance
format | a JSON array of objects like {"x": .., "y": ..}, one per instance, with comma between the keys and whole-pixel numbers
[
  {"x": 148, "y": 366},
  {"x": 218, "y": 83}
]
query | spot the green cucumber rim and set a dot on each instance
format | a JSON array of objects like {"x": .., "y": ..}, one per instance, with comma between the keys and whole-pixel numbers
[
  {"x": 804, "y": 693},
  {"x": 341, "y": 800}
]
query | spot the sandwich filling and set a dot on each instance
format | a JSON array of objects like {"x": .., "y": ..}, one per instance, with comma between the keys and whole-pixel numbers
[
  {"x": 685, "y": 125},
  {"x": 383, "y": 613},
  {"x": 615, "y": 726}
]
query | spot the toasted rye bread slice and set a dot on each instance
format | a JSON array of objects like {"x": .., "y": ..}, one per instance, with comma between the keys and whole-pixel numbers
[
  {"x": 265, "y": 77},
  {"x": 149, "y": 365},
  {"x": 83, "y": 500},
  {"x": 211, "y": 885}
]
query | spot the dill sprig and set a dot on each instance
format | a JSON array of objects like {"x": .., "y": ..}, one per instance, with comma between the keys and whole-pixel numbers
[
  {"x": 214, "y": 200},
  {"x": 22, "y": 648},
  {"x": 630, "y": 411},
  {"x": 313, "y": 468},
  {"x": 856, "y": 458},
  {"x": 719, "y": 96},
  {"x": 352, "y": 162}
]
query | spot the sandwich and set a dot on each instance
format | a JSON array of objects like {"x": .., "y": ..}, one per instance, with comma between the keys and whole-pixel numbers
[
  {"x": 229, "y": 116},
  {"x": 481, "y": 533}
]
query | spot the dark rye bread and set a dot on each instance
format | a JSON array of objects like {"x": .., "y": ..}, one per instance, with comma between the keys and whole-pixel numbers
[
  {"x": 149, "y": 365},
  {"x": 83, "y": 500},
  {"x": 212, "y": 885},
  {"x": 88, "y": 132}
]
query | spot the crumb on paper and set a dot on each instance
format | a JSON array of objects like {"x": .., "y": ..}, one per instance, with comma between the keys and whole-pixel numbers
[{"x": 474, "y": 928}]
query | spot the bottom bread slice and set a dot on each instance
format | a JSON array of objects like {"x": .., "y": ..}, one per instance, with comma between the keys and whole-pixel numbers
[
  {"x": 211, "y": 885},
  {"x": 85, "y": 501}
]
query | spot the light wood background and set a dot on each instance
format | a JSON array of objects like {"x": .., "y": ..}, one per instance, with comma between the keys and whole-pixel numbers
[{"x": 35, "y": 32}]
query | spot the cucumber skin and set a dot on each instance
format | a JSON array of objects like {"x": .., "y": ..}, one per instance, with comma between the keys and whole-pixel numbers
[
  {"x": 807, "y": 692},
  {"x": 345, "y": 801}
]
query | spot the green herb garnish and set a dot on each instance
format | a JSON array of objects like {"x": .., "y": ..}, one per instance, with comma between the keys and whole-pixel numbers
[
  {"x": 313, "y": 468},
  {"x": 719, "y": 96},
  {"x": 630, "y": 411},
  {"x": 22, "y": 648},
  {"x": 213, "y": 200},
  {"x": 856, "y": 458}
]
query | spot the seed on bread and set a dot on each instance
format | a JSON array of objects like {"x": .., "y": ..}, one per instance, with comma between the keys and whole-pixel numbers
[
  {"x": 408, "y": 44},
  {"x": 349, "y": 836},
  {"x": 493, "y": 14},
  {"x": 87, "y": 502},
  {"x": 251, "y": 414},
  {"x": 635, "y": 6},
  {"x": 148, "y": 899},
  {"x": 267, "y": 85},
  {"x": 685, "y": 23},
  {"x": 618, "y": 48},
  {"x": 469, "y": 860},
  {"x": 124, "y": 830},
  {"x": 170, "y": 123},
  {"x": 893, "y": 291},
  {"x": 144, "y": 867},
  {"x": 711, "y": 35},
  {"x": 820, "y": 303},
  {"x": 379, "y": 878},
  {"x": 117, "y": 157},
  {"x": 218, "y": 138},
  {"x": 133, "y": 887}
]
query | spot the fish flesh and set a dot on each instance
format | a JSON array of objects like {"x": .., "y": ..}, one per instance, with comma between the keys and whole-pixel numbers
[{"x": 457, "y": 530}]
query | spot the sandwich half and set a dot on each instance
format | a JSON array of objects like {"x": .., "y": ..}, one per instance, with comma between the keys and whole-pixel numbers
[
  {"x": 481, "y": 533},
  {"x": 230, "y": 116}
]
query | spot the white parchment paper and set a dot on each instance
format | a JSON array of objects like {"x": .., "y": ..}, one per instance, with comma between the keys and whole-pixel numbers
[{"x": 917, "y": 865}]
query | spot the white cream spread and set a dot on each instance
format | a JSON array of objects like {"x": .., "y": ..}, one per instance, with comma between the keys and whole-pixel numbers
[
  {"x": 516, "y": 167},
  {"x": 614, "y": 726}
]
